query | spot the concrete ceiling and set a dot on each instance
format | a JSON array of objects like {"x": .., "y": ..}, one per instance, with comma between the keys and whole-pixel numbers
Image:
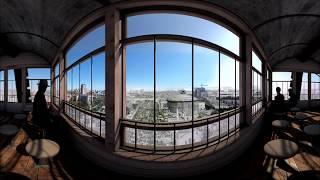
[{"x": 287, "y": 29}]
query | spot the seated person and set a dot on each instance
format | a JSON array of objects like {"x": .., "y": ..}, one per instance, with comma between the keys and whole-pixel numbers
[
  {"x": 278, "y": 104},
  {"x": 293, "y": 100}
]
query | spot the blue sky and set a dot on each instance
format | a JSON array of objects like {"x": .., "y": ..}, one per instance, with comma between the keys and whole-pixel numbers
[{"x": 174, "y": 59}]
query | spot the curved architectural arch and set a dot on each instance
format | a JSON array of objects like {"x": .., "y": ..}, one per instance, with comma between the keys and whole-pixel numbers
[
  {"x": 286, "y": 46},
  {"x": 283, "y": 17},
  {"x": 35, "y": 35}
]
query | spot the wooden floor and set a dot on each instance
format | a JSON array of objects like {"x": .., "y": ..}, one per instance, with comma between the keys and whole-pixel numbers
[{"x": 254, "y": 164}]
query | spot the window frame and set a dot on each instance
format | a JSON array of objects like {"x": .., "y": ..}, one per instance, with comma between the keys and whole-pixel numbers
[{"x": 156, "y": 126}]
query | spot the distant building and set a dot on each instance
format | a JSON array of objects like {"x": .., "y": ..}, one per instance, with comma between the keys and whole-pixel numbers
[
  {"x": 200, "y": 92},
  {"x": 182, "y": 103},
  {"x": 83, "y": 89}
]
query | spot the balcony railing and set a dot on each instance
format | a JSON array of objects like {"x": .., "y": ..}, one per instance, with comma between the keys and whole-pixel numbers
[
  {"x": 169, "y": 137},
  {"x": 256, "y": 107},
  {"x": 91, "y": 122}
]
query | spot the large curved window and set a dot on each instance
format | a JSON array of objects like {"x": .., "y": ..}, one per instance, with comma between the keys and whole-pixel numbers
[
  {"x": 181, "y": 89},
  {"x": 85, "y": 96}
]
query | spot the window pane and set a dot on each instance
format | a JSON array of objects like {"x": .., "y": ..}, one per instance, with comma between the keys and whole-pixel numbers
[
  {"x": 69, "y": 85},
  {"x": 1, "y": 85},
  {"x": 98, "y": 83},
  {"x": 173, "y": 82},
  {"x": 140, "y": 82},
  {"x": 256, "y": 62},
  {"x": 315, "y": 86},
  {"x": 206, "y": 82},
  {"x": 227, "y": 82},
  {"x": 57, "y": 70},
  {"x": 171, "y": 23},
  {"x": 88, "y": 43},
  {"x": 282, "y": 80},
  {"x": 38, "y": 73},
  {"x": 85, "y": 84},
  {"x": 75, "y": 85},
  {"x": 12, "y": 90},
  {"x": 304, "y": 87}
]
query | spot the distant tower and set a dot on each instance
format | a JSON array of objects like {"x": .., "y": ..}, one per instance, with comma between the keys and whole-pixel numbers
[{"x": 83, "y": 89}]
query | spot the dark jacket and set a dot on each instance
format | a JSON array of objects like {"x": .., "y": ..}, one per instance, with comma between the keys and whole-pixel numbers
[{"x": 40, "y": 113}]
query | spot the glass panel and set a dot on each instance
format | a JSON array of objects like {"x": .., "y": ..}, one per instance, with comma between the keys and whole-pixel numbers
[
  {"x": 1, "y": 85},
  {"x": 315, "y": 86},
  {"x": 164, "y": 138},
  {"x": 172, "y": 23},
  {"x": 12, "y": 89},
  {"x": 38, "y": 73},
  {"x": 200, "y": 134},
  {"x": 69, "y": 86},
  {"x": 206, "y": 82},
  {"x": 304, "y": 87},
  {"x": 173, "y": 82},
  {"x": 91, "y": 41},
  {"x": 75, "y": 85},
  {"x": 282, "y": 80},
  {"x": 145, "y": 137},
  {"x": 98, "y": 83},
  {"x": 256, "y": 62},
  {"x": 213, "y": 131},
  {"x": 56, "y": 70},
  {"x": 227, "y": 83},
  {"x": 85, "y": 84},
  {"x": 140, "y": 82},
  {"x": 183, "y": 137}
]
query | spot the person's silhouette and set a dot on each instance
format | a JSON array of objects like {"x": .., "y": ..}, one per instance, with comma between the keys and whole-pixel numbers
[
  {"x": 279, "y": 101},
  {"x": 40, "y": 113}
]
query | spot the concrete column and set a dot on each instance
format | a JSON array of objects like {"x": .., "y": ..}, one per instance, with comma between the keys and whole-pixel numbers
[
  {"x": 246, "y": 80},
  {"x": 113, "y": 79}
]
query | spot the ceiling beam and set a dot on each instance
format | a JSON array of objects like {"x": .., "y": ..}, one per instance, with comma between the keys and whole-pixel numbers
[{"x": 256, "y": 27}]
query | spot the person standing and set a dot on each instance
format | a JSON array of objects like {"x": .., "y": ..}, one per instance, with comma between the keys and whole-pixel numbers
[{"x": 40, "y": 112}]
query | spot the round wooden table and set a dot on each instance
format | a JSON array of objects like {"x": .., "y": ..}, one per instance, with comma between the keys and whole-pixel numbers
[
  {"x": 280, "y": 123},
  {"x": 42, "y": 148},
  {"x": 8, "y": 129},
  {"x": 281, "y": 148}
]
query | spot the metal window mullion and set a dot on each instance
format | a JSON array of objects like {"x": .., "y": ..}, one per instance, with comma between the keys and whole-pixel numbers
[
  {"x": 219, "y": 91},
  {"x": 235, "y": 93},
  {"x": 154, "y": 92},
  {"x": 91, "y": 98},
  {"x": 192, "y": 101}
]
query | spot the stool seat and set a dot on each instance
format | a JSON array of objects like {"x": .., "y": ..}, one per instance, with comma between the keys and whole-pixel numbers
[
  {"x": 19, "y": 116},
  {"x": 300, "y": 116},
  {"x": 295, "y": 109},
  {"x": 280, "y": 123},
  {"x": 281, "y": 148},
  {"x": 312, "y": 130},
  {"x": 8, "y": 129}
]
